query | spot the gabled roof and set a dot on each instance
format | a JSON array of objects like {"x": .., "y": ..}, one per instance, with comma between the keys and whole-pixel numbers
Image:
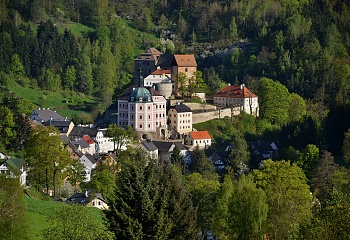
[
  {"x": 163, "y": 146},
  {"x": 160, "y": 72},
  {"x": 262, "y": 146},
  {"x": 88, "y": 139},
  {"x": 90, "y": 157},
  {"x": 79, "y": 131},
  {"x": 14, "y": 164},
  {"x": 61, "y": 126},
  {"x": 165, "y": 60},
  {"x": 184, "y": 60},
  {"x": 150, "y": 54},
  {"x": 232, "y": 91},
  {"x": 181, "y": 146},
  {"x": 47, "y": 114},
  {"x": 149, "y": 145},
  {"x": 200, "y": 135},
  {"x": 82, "y": 143},
  {"x": 180, "y": 108}
]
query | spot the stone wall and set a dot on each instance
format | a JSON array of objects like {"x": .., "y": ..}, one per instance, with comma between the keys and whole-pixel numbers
[{"x": 217, "y": 114}]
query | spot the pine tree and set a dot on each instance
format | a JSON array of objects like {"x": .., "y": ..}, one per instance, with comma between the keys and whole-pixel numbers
[{"x": 151, "y": 202}]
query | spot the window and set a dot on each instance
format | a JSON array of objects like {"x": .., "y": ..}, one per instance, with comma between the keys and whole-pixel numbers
[
  {"x": 132, "y": 116},
  {"x": 141, "y": 107},
  {"x": 140, "y": 125},
  {"x": 140, "y": 116},
  {"x": 156, "y": 115},
  {"x": 169, "y": 115},
  {"x": 186, "y": 69},
  {"x": 149, "y": 116},
  {"x": 149, "y": 107},
  {"x": 132, "y": 107},
  {"x": 149, "y": 125},
  {"x": 132, "y": 99},
  {"x": 132, "y": 125}
]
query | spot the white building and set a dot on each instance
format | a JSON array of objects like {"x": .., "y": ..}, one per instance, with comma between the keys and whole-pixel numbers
[
  {"x": 159, "y": 75},
  {"x": 180, "y": 118},
  {"x": 202, "y": 139},
  {"x": 238, "y": 96},
  {"x": 89, "y": 164}
]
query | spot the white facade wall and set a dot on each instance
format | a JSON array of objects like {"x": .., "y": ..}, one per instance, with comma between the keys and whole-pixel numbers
[
  {"x": 181, "y": 122},
  {"x": 201, "y": 143},
  {"x": 154, "y": 79},
  {"x": 244, "y": 103}
]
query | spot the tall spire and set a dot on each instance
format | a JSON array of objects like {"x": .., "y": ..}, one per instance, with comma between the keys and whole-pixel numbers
[{"x": 141, "y": 84}]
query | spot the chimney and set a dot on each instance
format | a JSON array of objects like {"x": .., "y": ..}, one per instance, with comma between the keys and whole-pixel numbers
[
  {"x": 86, "y": 194},
  {"x": 229, "y": 84}
]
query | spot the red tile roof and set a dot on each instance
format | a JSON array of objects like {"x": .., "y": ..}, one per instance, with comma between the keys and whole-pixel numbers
[
  {"x": 185, "y": 60},
  {"x": 200, "y": 135},
  {"x": 88, "y": 139},
  {"x": 160, "y": 72},
  {"x": 235, "y": 92}
]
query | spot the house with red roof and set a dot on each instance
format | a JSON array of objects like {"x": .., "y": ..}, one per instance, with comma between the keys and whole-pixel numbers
[
  {"x": 92, "y": 144},
  {"x": 202, "y": 139},
  {"x": 238, "y": 96}
]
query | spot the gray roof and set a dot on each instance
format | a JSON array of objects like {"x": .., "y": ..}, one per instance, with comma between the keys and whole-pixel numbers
[
  {"x": 61, "y": 126},
  {"x": 47, "y": 114},
  {"x": 149, "y": 145},
  {"x": 181, "y": 108},
  {"x": 163, "y": 146},
  {"x": 181, "y": 146},
  {"x": 79, "y": 131},
  {"x": 140, "y": 94},
  {"x": 81, "y": 198},
  {"x": 82, "y": 143},
  {"x": 91, "y": 158},
  {"x": 165, "y": 60},
  {"x": 64, "y": 139}
]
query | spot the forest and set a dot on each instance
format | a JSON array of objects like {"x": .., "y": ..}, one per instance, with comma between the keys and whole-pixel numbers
[{"x": 294, "y": 54}]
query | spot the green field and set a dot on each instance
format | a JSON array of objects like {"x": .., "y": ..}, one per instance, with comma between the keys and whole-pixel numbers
[
  {"x": 62, "y": 102},
  {"x": 38, "y": 212}
]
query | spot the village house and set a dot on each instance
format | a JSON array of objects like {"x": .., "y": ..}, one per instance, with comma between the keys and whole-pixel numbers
[
  {"x": 89, "y": 163},
  {"x": 89, "y": 199},
  {"x": 150, "y": 149},
  {"x": 13, "y": 167},
  {"x": 180, "y": 118},
  {"x": 201, "y": 139},
  {"x": 64, "y": 127},
  {"x": 45, "y": 114},
  {"x": 238, "y": 96}
]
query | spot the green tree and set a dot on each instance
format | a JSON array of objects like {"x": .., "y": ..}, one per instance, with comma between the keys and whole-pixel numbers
[
  {"x": 84, "y": 74},
  {"x": 76, "y": 174},
  {"x": 7, "y": 124},
  {"x": 177, "y": 159},
  {"x": 17, "y": 66},
  {"x": 247, "y": 210},
  {"x": 46, "y": 156},
  {"x": 76, "y": 222},
  {"x": 13, "y": 222},
  {"x": 203, "y": 192},
  {"x": 297, "y": 108},
  {"x": 288, "y": 197},
  {"x": 274, "y": 100},
  {"x": 346, "y": 146},
  {"x": 201, "y": 164},
  {"x": 182, "y": 83},
  {"x": 103, "y": 181},
  {"x": 151, "y": 202},
  {"x": 308, "y": 159},
  {"x": 121, "y": 137},
  {"x": 70, "y": 77},
  {"x": 239, "y": 156}
]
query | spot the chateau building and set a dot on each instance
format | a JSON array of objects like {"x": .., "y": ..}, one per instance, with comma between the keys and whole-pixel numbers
[
  {"x": 141, "y": 108},
  {"x": 145, "y": 64},
  {"x": 238, "y": 96}
]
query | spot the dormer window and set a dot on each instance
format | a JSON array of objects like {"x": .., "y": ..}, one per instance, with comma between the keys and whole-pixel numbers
[
  {"x": 149, "y": 99},
  {"x": 132, "y": 98},
  {"x": 140, "y": 99}
]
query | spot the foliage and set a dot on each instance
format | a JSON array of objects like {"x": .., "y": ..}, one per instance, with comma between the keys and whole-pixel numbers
[
  {"x": 241, "y": 210},
  {"x": 288, "y": 196},
  {"x": 13, "y": 222},
  {"x": 346, "y": 146},
  {"x": 121, "y": 137},
  {"x": 201, "y": 164},
  {"x": 46, "y": 156},
  {"x": 308, "y": 159},
  {"x": 103, "y": 181},
  {"x": 151, "y": 202},
  {"x": 203, "y": 192},
  {"x": 74, "y": 222}
]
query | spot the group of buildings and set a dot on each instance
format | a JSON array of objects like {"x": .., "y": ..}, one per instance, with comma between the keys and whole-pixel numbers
[{"x": 144, "y": 105}]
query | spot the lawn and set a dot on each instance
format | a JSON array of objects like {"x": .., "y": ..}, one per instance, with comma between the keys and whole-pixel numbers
[
  {"x": 38, "y": 212},
  {"x": 59, "y": 101}
]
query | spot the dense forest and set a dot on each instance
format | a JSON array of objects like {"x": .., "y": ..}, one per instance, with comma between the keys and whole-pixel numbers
[{"x": 294, "y": 54}]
